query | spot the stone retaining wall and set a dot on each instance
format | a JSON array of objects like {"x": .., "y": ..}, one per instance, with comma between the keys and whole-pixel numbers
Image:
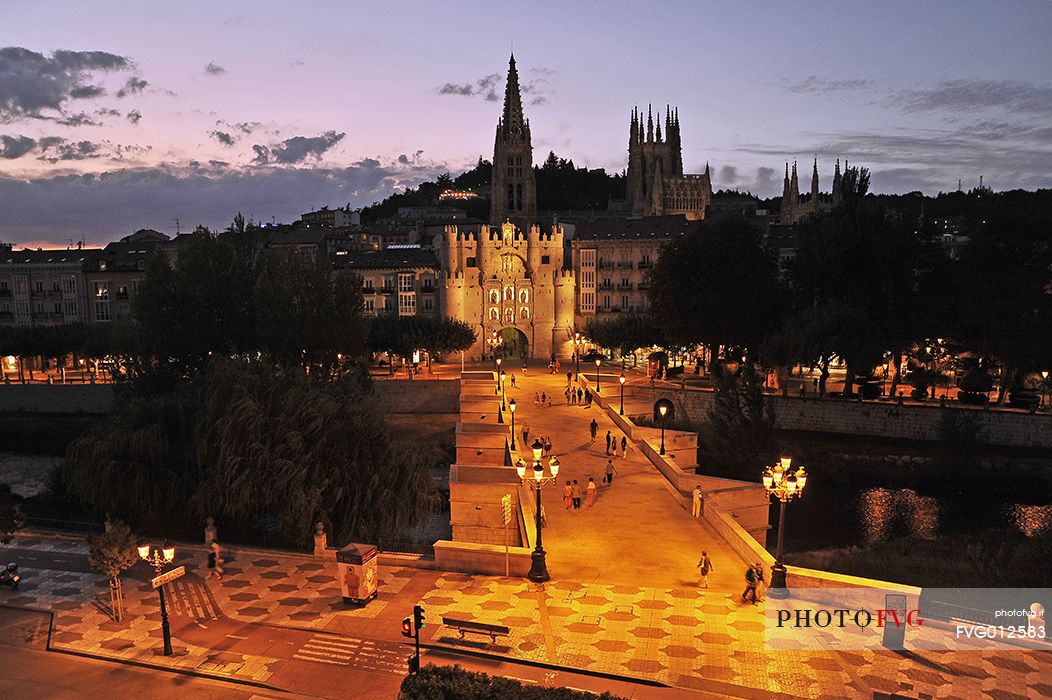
[{"x": 882, "y": 419}]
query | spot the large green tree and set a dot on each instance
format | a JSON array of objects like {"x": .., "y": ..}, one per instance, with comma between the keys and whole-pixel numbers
[{"x": 717, "y": 288}]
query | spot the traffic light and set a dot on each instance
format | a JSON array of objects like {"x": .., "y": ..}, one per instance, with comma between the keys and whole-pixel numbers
[
  {"x": 414, "y": 664},
  {"x": 418, "y": 616},
  {"x": 407, "y": 627}
]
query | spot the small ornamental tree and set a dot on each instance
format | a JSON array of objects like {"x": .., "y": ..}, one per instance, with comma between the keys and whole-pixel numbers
[{"x": 111, "y": 553}]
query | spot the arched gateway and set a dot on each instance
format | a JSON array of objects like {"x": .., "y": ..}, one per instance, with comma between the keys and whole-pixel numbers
[{"x": 514, "y": 343}]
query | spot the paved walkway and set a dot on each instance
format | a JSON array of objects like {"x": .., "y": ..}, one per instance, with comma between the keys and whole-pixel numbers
[
  {"x": 638, "y": 533},
  {"x": 683, "y": 636}
]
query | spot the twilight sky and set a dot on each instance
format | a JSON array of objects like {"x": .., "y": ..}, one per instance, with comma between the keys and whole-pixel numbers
[{"x": 119, "y": 116}]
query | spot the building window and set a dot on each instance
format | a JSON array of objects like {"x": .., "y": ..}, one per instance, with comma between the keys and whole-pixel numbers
[
  {"x": 102, "y": 302},
  {"x": 39, "y": 286},
  {"x": 587, "y": 302},
  {"x": 406, "y": 282},
  {"x": 21, "y": 285},
  {"x": 606, "y": 302},
  {"x": 407, "y": 304},
  {"x": 546, "y": 260},
  {"x": 429, "y": 304},
  {"x": 471, "y": 262},
  {"x": 624, "y": 302},
  {"x": 367, "y": 284},
  {"x": 429, "y": 284},
  {"x": 370, "y": 306},
  {"x": 122, "y": 293}
]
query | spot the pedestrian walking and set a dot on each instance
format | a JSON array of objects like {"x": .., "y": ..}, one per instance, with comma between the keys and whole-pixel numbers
[
  {"x": 593, "y": 428},
  {"x": 568, "y": 495},
  {"x": 750, "y": 585},
  {"x": 215, "y": 562},
  {"x": 587, "y": 397},
  {"x": 567, "y": 395},
  {"x": 513, "y": 381},
  {"x": 624, "y": 446},
  {"x": 590, "y": 492},
  {"x": 536, "y": 399},
  {"x": 608, "y": 439},
  {"x": 576, "y": 495},
  {"x": 544, "y": 399},
  {"x": 548, "y": 445},
  {"x": 524, "y": 372},
  {"x": 705, "y": 568},
  {"x": 569, "y": 378},
  {"x": 580, "y": 394},
  {"x": 573, "y": 396},
  {"x": 695, "y": 502},
  {"x": 761, "y": 582},
  {"x": 610, "y": 471}
]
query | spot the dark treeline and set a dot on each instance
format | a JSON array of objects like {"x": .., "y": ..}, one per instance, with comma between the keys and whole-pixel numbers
[
  {"x": 561, "y": 186},
  {"x": 871, "y": 286},
  {"x": 244, "y": 394}
]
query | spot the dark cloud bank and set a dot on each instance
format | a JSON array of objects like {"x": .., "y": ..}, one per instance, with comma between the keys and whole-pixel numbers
[{"x": 103, "y": 207}]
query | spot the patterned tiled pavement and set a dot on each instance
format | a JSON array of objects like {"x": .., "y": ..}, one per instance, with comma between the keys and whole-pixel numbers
[
  {"x": 693, "y": 638},
  {"x": 683, "y": 636}
]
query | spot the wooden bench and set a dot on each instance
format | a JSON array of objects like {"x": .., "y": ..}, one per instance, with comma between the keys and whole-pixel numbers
[{"x": 465, "y": 624}]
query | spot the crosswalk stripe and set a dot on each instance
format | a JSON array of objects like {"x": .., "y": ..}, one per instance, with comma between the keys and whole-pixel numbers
[
  {"x": 320, "y": 661},
  {"x": 337, "y": 645},
  {"x": 322, "y": 651}
]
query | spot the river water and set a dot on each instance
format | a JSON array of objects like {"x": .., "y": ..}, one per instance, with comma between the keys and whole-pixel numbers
[
  {"x": 27, "y": 474},
  {"x": 835, "y": 515}
]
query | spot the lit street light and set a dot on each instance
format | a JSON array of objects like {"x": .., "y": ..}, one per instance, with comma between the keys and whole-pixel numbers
[
  {"x": 597, "y": 363},
  {"x": 784, "y": 483},
  {"x": 577, "y": 343},
  {"x": 157, "y": 558},
  {"x": 622, "y": 380},
  {"x": 662, "y": 410},
  {"x": 502, "y": 378},
  {"x": 511, "y": 407},
  {"x": 496, "y": 389},
  {"x": 538, "y": 567}
]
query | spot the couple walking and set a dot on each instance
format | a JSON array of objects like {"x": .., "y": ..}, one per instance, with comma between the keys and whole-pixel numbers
[
  {"x": 755, "y": 585},
  {"x": 572, "y": 494}
]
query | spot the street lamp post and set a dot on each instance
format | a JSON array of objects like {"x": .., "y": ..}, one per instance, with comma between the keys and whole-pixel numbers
[
  {"x": 157, "y": 558},
  {"x": 538, "y": 566},
  {"x": 577, "y": 355},
  {"x": 496, "y": 389},
  {"x": 511, "y": 407},
  {"x": 784, "y": 483},
  {"x": 597, "y": 363},
  {"x": 1044, "y": 383},
  {"x": 502, "y": 396},
  {"x": 622, "y": 380},
  {"x": 662, "y": 410}
]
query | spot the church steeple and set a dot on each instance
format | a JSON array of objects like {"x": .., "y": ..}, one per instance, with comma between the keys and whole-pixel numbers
[
  {"x": 794, "y": 188},
  {"x": 650, "y": 124},
  {"x": 514, "y": 188},
  {"x": 513, "y": 119},
  {"x": 836, "y": 183}
]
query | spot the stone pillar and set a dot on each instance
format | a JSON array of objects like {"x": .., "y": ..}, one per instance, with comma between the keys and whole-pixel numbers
[
  {"x": 210, "y": 531},
  {"x": 321, "y": 540}
]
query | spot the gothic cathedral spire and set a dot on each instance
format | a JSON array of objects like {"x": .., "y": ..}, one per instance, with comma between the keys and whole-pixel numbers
[{"x": 514, "y": 195}]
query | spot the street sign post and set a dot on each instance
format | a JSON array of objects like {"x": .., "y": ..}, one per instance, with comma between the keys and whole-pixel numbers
[
  {"x": 505, "y": 502},
  {"x": 168, "y": 576}
]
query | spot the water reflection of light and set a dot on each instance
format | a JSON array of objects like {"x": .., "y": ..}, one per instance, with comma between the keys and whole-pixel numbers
[
  {"x": 879, "y": 508},
  {"x": 875, "y": 511},
  {"x": 1030, "y": 520}
]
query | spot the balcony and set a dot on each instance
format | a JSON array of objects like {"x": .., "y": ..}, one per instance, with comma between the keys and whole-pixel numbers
[
  {"x": 122, "y": 296},
  {"x": 624, "y": 287},
  {"x": 369, "y": 290},
  {"x": 644, "y": 264},
  {"x": 625, "y": 265},
  {"x": 385, "y": 290},
  {"x": 643, "y": 286},
  {"x": 606, "y": 265},
  {"x": 606, "y": 286}
]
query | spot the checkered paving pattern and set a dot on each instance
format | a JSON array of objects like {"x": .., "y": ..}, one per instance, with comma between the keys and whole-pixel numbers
[{"x": 691, "y": 637}]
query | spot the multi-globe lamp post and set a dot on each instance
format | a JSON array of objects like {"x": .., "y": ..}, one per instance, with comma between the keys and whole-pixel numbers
[
  {"x": 538, "y": 566},
  {"x": 784, "y": 483},
  {"x": 158, "y": 558},
  {"x": 621, "y": 379}
]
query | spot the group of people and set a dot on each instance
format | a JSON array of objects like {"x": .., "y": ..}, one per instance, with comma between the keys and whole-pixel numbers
[{"x": 576, "y": 397}]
